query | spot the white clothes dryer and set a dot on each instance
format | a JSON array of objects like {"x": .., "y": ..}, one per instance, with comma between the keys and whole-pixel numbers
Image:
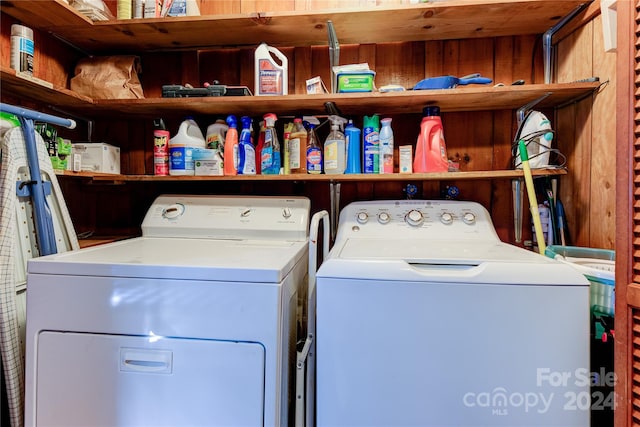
[
  {"x": 192, "y": 324},
  {"x": 425, "y": 318}
]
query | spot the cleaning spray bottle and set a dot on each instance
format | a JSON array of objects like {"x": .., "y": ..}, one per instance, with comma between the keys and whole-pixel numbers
[
  {"x": 352, "y": 136},
  {"x": 246, "y": 152},
  {"x": 371, "y": 144},
  {"x": 314, "y": 151},
  {"x": 259, "y": 147},
  {"x": 270, "y": 156},
  {"x": 431, "y": 151},
  {"x": 386, "y": 146},
  {"x": 230, "y": 162},
  {"x": 335, "y": 148}
]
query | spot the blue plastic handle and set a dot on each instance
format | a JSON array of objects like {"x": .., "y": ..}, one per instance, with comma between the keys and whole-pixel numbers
[{"x": 473, "y": 80}]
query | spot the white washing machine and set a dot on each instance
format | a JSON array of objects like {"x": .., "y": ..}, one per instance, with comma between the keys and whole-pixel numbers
[
  {"x": 192, "y": 324},
  {"x": 425, "y": 318}
]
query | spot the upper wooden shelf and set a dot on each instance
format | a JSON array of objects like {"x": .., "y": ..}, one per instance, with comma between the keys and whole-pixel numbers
[
  {"x": 468, "y": 98},
  {"x": 441, "y": 20},
  {"x": 440, "y": 176}
]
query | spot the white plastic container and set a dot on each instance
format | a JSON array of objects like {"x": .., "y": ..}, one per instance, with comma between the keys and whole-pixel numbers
[
  {"x": 181, "y": 146},
  {"x": 270, "y": 77}
]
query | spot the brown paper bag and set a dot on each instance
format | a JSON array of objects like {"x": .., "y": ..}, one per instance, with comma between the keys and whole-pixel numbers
[{"x": 108, "y": 77}]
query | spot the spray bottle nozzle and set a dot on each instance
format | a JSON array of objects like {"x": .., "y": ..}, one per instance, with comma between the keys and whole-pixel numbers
[{"x": 337, "y": 121}]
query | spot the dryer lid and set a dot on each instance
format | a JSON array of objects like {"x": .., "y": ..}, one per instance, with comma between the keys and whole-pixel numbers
[{"x": 259, "y": 261}]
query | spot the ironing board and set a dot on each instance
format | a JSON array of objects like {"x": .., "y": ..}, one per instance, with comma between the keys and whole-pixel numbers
[{"x": 19, "y": 243}]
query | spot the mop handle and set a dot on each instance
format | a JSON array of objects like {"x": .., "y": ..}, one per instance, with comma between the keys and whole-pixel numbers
[{"x": 531, "y": 192}]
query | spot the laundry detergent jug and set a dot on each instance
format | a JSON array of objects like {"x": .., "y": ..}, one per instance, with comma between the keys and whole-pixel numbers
[
  {"x": 431, "y": 152},
  {"x": 270, "y": 76}
]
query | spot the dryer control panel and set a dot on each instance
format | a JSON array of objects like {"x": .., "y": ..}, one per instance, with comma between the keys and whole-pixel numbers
[
  {"x": 433, "y": 219},
  {"x": 228, "y": 217}
]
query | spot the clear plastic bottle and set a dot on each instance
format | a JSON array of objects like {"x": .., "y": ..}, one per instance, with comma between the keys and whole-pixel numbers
[
  {"x": 335, "y": 149},
  {"x": 298, "y": 147},
  {"x": 270, "y": 156},
  {"x": 314, "y": 152},
  {"x": 386, "y": 146}
]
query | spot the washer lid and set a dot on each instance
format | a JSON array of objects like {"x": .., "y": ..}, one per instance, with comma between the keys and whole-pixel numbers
[
  {"x": 259, "y": 261},
  {"x": 444, "y": 261}
]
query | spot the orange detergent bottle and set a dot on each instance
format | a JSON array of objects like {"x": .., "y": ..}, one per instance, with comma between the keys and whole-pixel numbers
[{"x": 431, "y": 151}]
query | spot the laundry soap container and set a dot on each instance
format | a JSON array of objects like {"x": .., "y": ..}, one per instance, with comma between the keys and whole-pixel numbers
[
  {"x": 271, "y": 69},
  {"x": 181, "y": 147},
  {"x": 598, "y": 266}
]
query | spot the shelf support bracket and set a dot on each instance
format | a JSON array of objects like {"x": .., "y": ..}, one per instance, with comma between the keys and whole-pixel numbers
[{"x": 547, "y": 42}]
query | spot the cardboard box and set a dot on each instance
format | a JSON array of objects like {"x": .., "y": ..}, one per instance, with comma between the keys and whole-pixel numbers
[{"x": 98, "y": 157}]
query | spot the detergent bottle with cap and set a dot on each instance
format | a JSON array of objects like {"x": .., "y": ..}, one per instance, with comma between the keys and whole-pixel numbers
[
  {"x": 431, "y": 151},
  {"x": 181, "y": 147},
  {"x": 270, "y": 76},
  {"x": 216, "y": 134},
  {"x": 270, "y": 155},
  {"x": 246, "y": 151},
  {"x": 335, "y": 148},
  {"x": 386, "y": 146},
  {"x": 352, "y": 137},
  {"x": 230, "y": 161}
]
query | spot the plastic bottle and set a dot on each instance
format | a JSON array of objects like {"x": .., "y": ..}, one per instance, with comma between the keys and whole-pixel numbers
[
  {"x": 161, "y": 138},
  {"x": 314, "y": 152},
  {"x": 259, "y": 147},
  {"x": 230, "y": 162},
  {"x": 246, "y": 152},
  {"x": 335, "y": 148},
  {"x": 270, "y": 156},
  {"x": 371, "y": 144},
  {"x": 216, "y": 134},
  {"x": 181, "y": 146},
  {"x": 286, "y": 164},
  {"x": 386, "y": 146},
  {"x": 352, "y": 136},
  {"x": 270, "y": 77},
  {"x": 431, "y": 151},
  {"x": 298, "y": 147},
  {"x": 22, "y": 49}
]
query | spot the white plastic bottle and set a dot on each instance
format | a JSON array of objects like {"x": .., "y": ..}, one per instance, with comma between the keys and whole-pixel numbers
[
  {"x": 270, "y": 77},
  {"x": 335, "y": 161},
  {"x": 181, "y": 146},
  {"x": 386, "y": 146}
]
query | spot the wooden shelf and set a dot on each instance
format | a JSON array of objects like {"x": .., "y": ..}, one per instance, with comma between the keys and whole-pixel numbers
[
  {"x": 445, "y": 176},
  {"x": 453, "y": 19},
  {"x": 469, "y": 98}
]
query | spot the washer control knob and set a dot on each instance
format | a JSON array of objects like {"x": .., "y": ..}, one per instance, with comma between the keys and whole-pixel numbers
[
  {"x": 446, "y": 218},
  {"x": 469, "y": 218},
  {"x": 384, "y": 218},
  {"x": 362, "y": 217},
  {"x": 173, "y": 211},
  {"x": 414, "y": 217},
  {"x": 286, "y": 213}
]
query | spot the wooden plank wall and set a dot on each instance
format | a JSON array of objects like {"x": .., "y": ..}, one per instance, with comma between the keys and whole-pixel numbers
[
  {"x": 480, "y": 140},
  {"x": 587, "y": 136}
]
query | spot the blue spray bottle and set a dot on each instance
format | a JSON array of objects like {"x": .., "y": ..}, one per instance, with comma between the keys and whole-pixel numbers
[
  {"x": 246, "y": 151},
  {"x": 270, "y": 155},
  {"x": 352, "y": 135}
]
